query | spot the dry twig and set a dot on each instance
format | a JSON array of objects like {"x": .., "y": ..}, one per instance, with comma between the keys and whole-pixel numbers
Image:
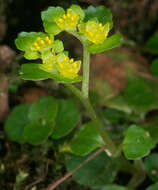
[
  {"x": 70, "y": 173},
  {"x": 39, "y": 179}
]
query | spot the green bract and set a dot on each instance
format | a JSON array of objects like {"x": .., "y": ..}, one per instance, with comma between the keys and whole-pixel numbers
[
  {"x": 49, "y": 16},
  {"x": 55, "y": 19},
  {"x": 33, "y": 43},
  {"x": 102, "y": 14},
  {"x": 109, "y": 43},
  {"x": 34, "y": 72}
]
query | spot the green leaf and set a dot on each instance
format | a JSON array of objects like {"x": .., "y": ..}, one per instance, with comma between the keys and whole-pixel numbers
[
  {"x": 111, "y": 42},
  {"x": 102, "y": 13},
  {"x": 52, "y": 13},
  {"x": 114, "y": 187},
  {"x": 49, "y": 16},
  {"x": 86, "y": 140},
  {"x": 38, "y": 132},
  {"x": 51, "y": 27},
  {"x": 98, "y": 172},
  {"x": 153, "y": 187},
  {"x": 152, "y": 43},
  {"x": 154, "y": 67},
  {"x": 78, "y": 10},
  {"x": 137, "y": 143},
  {"x": 67, "y": 118},
  {"x": 139, "y": 93},
  {"x": 45, "y": 107},
  {"x": 58, "y": 46},
  {"x": 16, "y": 122},
  {"x": 31, "y": 55},
  {"x": 61, "y": 79},
  {"x": 32, "y": 71},
  {"x": 151, "y": 166}
]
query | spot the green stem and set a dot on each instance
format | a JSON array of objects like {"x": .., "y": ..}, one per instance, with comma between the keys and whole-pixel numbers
[
  {"x": 86, "y": 62},
  {"x": 99, "y": 125},
  {"x": 84, "y": 94}
]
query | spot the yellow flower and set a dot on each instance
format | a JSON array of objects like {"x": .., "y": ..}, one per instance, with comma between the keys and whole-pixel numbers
[
  {"x": 68, "y": 68},
  {"x": 41, "y": 43},
  {"x": 94, "y": 32},
  {"x": 68, "y": 21}
]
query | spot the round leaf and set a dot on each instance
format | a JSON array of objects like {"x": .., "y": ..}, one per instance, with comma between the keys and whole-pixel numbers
[
  {"x": 45, "y": 107},
  {"x": 86, "y": 140},
  {"x": 16, "y": 122},
  {"x": 137, "y": 143},
  {"x": 98, "y": 172},
  {"x": 139, "y": 93},
  {"x": 32, "y": 71},
  {"x": 37, "y": 132},
  {"x": 67, "y": 118}
]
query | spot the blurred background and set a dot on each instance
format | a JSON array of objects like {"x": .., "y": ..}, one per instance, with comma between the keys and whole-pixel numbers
[{"x": 136, "y": 20}]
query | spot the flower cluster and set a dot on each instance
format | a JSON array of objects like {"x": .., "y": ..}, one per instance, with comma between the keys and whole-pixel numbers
[
  {"x": 61, "y": 63},
  {"x": 68, "y": 21},
  {"x": 68, "y": 67},
  {"x": 41, "y": 43},
  {"x": 54, "y": 61},
  {"x": 95, "y": 32},
  {"x": 88, "y": 25}
]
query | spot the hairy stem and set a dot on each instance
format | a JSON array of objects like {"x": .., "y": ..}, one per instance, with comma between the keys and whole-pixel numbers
[
  {"x": 99, "y": 125},
  {"x": 86, "y": 62}
]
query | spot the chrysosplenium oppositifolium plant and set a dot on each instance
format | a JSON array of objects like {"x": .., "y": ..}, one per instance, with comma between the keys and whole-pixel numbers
[
  {"x": 91, "y": 27},
  {"x": 50, "y": 118}
]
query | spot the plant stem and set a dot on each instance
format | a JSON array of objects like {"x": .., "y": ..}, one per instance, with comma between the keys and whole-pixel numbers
[
  {"x": 86, "y": 62},
  {"x": 99, "y": 125}
]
